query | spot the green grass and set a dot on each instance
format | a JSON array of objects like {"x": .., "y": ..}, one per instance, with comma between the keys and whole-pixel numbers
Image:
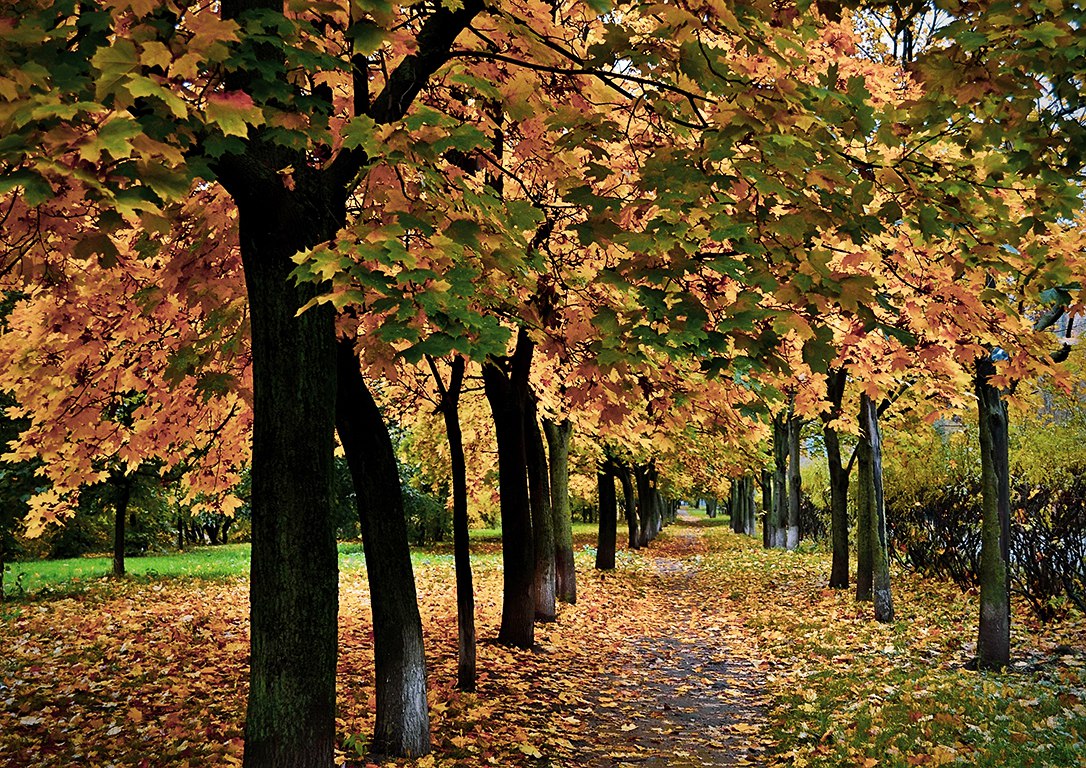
[{"x": 46, "y": 577}]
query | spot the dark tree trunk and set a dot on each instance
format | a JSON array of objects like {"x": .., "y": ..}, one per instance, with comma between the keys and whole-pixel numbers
[
  {"x": 629, "y": 506},
  {"x": 710, "y": 507},
  {"x": 465, "y": 591},
  {"x": 294, "y": 604},
  {"x": 779, "y": 511},
  {"x": 864, "y": 523},
  {"x": 226, "y": 525},
  {"x": 795, "y": 490},
  {"x": 507, "y": 392},
  {"x": 646, "y": 501},
  {"x": 403, "y": 722},
  {"x": 838, "y": 481},
  {"x": 180, "y": 533},
  {"x": 558, "y": 448},
  {"x": 880, "y": 559},
  {"x": 608, "y": 526},
  {"x": 994, "y": 630},
  {"x": 539, "y": 496},
  {"x": 767, "y": 507},
  {"x": 122, "y": 490}
]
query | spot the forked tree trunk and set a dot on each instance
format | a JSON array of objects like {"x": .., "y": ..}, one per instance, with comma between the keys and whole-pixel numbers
[
  {"x": 608, "y": 525},
  {"x": 994, "y": 630},
  {"x": 403, "y": 720},
  {"x": 880, "y": 559},
  {"x": 539, "y": 496},
  {"x": 449, "y": 405},
  {"x": 558, "y": 449},
  {"x": 629, "y": 506},
  {"x": 795, "y": 426},
  {"x": 838, "y": 482},
  {"x": 507, "y": 392},
  {"x": 122, "y": 493}
]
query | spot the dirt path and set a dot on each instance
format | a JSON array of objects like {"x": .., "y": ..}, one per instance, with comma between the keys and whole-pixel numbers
[{"x": 684, "y": 699}]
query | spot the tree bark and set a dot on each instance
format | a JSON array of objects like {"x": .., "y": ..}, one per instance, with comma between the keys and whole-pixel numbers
[
  {"x": 122, "y": 493},
  {"x": 539, "y": 496},
  {"x": 767, "y": 507},
  {"x": 864, "y": 524},
  {"x": 449, "y": 405},
  {"x": 507, "y": 393},
  {"x": 779, "y": 512},
  {"x": 294, "y": 584},
  {"x": 994, "y": 629},
  {"x": 558, "y": 448},
  {"x": 880, "y": 560},
  {"x": 838, "y": 482},
  {"x": 403, "y": 721},
  {"x": 795, "y": 426},
  {"x": 629, "y": 506},
  {"x": 645, "y": 501},
  {"x": 608, "y": 525}
]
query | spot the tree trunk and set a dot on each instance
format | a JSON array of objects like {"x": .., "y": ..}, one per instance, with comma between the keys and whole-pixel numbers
[
  {"x": 994, "y": 630},
  {"x": 465, "y": 591},
  {"x": 864, "y": 525},
  {"x": 539, "y": 497},
  {"x": 880, "y": 559},
  {"x": 751, "y": 510},
  {"x": 838, "y": 482},
  {"x": 767, "y": 508},
  {"x": 608, "y": 526},
  {"x": 294, "y": 584},
  {"x": 642, "y": 474},
  {"x": 558, "y": 447},
  {"x": 403, "y": 721},
  {"x": 629, "y": 505},
  {"x": 122, "y": 489},
  {"x": 779, "y": 512},
  {"x": 507, "y": 393},
  {"x": 795, "y": 426}
]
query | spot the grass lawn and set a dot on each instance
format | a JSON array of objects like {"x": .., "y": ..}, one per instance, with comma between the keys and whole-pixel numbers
[{"x": 220, "y": 562}]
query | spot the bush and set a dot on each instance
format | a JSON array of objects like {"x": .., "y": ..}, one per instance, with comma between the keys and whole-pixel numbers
[{"x": 428, "y": 519}]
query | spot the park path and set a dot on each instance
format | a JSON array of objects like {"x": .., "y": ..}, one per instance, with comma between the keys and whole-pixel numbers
[{"x": 690, "y": 695}]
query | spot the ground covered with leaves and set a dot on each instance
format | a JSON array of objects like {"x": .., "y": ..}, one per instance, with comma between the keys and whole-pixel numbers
[{"x": 703, "y": 650}]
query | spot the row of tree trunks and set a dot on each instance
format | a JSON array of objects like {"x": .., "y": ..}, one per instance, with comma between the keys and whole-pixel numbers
[
  {"x": 646, "y": 510},
  {"x": 742, "y": 506}
]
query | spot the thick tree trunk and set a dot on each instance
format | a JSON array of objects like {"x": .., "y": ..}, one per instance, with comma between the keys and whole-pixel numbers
[
  {"x": 465, "y": 591},
  {"x": 294, "y": 584},
  {"x": 710, "y": 507},
  {"x": 880, "y": 559},
  {"x": 558, "y": 448},
  {"x": 403, "y": 722},
  {"x": 629, "y": 506},
  {"x": 838, "y": 482},
  {"x": 122, "y": 490},
  {"x": 608, "y": 526},
  {"x": 994, "y": 630},
  {"x": 795, "y": 426},
  {"x": 539, "y": 496},
  {"x": 507, "y": 393}
]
